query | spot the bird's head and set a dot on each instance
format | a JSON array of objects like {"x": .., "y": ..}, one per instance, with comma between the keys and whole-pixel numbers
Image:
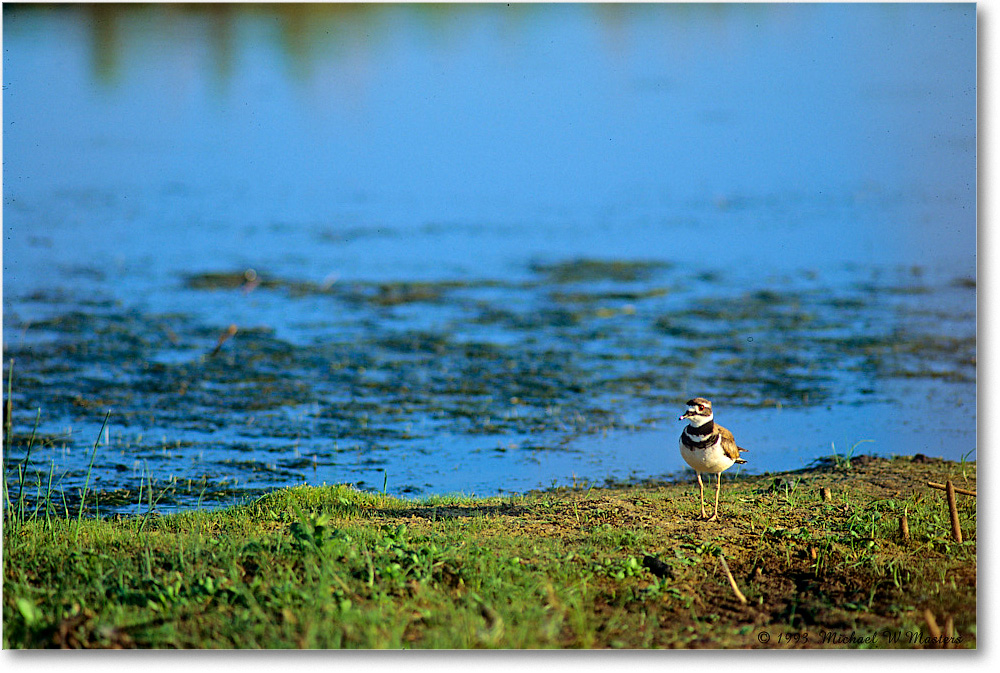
[{"x": 699, "y": 412}]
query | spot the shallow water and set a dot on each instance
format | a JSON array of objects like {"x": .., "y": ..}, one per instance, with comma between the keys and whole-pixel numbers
[{"x": 482, "y": 249}]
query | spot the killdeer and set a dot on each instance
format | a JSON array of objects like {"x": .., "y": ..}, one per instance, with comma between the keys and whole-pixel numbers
[{"x": 707, "y": 447}]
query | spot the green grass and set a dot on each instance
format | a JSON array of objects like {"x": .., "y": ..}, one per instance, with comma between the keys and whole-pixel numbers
[{"x": 332, "y": 567}]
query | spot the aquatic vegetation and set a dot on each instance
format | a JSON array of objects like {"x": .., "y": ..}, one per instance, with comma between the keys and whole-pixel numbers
[
  {"x": 587, "y": 270},
  {"x": 587, "y": 346}
]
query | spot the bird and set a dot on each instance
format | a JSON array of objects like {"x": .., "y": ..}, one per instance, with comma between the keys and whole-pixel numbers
[{"x": 707, "y": 447}]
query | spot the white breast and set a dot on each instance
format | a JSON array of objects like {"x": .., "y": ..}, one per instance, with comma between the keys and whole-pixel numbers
[{"x": 712, "y": 459}]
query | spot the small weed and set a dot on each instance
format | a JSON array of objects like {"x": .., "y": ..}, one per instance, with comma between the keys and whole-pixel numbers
[{"x": 844, "y": 462}]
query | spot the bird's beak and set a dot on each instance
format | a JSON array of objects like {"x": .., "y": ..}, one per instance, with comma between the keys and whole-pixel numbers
[{"x": 687, "y": 414}]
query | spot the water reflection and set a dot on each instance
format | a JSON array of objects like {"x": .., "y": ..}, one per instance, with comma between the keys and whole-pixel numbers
[{"x": 729, "y": 102}]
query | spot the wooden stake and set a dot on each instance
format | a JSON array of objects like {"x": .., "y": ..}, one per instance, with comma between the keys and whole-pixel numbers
[
  {"x": 824, "y": 493},
  {"x": 956, "y": 528},
  {"x": 732, "y": 582},
  {"x": 942, "y": 487},
  {"x": 904, "y": 528},
  {"x": 932, "y": 625}
]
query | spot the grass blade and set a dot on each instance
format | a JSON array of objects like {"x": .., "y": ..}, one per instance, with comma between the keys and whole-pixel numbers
[
  {"x": 8, "y": 422},
  {"x": 93, "y": 454},
  {"x": 24, "y": 467}
]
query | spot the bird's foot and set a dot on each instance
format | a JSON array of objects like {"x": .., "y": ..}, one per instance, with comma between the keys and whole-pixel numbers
[{"x": 714, "y": 517}]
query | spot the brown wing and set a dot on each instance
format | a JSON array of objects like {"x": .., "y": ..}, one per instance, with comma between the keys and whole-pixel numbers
[{"x": 729, "y": 444}]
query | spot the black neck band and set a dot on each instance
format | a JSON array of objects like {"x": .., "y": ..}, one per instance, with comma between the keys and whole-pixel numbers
[
  {"x": 698, "y": 443},
  {"x": 705, "y": 429}
]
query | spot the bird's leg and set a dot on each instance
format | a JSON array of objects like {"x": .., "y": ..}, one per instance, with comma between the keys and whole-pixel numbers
[
  {"x": 701, "y": 492},
  {"x": 718, "y": 487}
]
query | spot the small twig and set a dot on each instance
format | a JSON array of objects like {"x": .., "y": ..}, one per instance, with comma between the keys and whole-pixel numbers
[
  {"x": 226, "y": 336},
  {"x": 956, "y": 528},
  {"x": 370, "y": 564},
  {"x": 8, "y": 403},
  {"x": 942, "y": 487},
  {"x": 904, "y": 528},
  {"x": 824, "y": 493},
  {"x": 732, "y": 582}
]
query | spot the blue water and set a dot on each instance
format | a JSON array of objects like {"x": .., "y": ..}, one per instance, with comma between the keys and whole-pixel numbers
[{"x": 804, "y": 148}]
